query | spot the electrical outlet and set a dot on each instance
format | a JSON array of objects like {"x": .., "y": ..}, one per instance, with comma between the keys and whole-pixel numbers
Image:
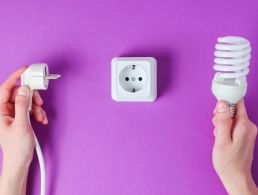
[{"x": 134, "y": 79}]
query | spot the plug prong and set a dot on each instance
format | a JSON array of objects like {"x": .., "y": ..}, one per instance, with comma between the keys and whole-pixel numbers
[{"x": 52, "y": 76}]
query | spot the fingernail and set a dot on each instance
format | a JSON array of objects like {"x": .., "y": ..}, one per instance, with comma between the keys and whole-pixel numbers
[
  {"x": 45, "y": 121},
  {"x": 39, "y": 97},
  {"x": 22, "y": 91},
  {"x": 221, "y": 107}
]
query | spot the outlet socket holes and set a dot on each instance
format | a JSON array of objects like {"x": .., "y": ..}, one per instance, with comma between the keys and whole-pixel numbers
[{"x": 133, "y": 78}]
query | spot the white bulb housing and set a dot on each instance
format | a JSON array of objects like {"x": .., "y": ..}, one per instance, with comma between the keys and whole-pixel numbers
[{"x": 232, "y": 58}]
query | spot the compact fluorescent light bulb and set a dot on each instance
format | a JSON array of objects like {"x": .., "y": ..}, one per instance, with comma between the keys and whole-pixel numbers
[{"x": 232, "y": 58}]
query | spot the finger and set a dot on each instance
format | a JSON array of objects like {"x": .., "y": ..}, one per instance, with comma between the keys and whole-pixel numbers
[
  {"x": 40, "y": 115},
  {"x": 241, "y": 110},
  {"x": 37, "y": 113},
  {"x": 45, "y": 120},
  {"x": 9, "y": 84},
  {"x": 243, "y": 132},
  {"x": 214, "y": 133},
  {"x": 7, "y": 110},
  {"x": 14, "y": 93},
  {"x": 21, "y": 105},
  {"x": 11, "y": 81},
  {"x": 37, "y": 100},
  {"x": 222, "y": 122},
  {"x": 221, "y": 107}
]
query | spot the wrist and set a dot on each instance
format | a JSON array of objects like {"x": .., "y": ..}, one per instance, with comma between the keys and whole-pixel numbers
[
  {"x": 244, "y": 185},
  {"x": 17, "y": 159},
  {"x": 14, "y": 170},
  {"x": 13, "y": 180}
]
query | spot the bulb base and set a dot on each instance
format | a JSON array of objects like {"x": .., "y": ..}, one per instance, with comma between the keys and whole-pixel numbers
[{"x": 232, "y": 109}]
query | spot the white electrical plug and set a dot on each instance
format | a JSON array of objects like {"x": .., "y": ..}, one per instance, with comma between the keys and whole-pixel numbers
[
  {"x": 134, "y": 79},
  {"x": 37, "y": 77}
]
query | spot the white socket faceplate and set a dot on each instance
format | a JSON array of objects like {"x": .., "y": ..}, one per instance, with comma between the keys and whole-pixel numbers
[{"x": 134, "y": 79}]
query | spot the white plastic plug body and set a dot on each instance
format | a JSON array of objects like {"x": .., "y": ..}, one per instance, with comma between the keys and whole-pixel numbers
[
  {"x": 37, "y": 77},
  {"x": 232, "y": 58},
  {"x": 134, "y": 79}
]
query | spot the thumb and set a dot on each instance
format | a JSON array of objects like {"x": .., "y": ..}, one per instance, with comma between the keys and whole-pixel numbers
[
  {"x": 21, "y": 105},
  {"x": 222, "y": 122}
]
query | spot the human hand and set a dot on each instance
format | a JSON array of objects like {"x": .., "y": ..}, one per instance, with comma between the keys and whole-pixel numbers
[
  {"x": 233, "y": 149},
  {"x": 16, "y": 134}
]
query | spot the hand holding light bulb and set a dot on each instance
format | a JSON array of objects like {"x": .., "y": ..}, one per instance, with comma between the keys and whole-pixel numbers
[
  {"x": 234, "y": 133},
  {"x": 233, "y": 149}
]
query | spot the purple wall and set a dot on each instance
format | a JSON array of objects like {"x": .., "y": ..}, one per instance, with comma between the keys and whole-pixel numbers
[{"x": 95, "y": 146}]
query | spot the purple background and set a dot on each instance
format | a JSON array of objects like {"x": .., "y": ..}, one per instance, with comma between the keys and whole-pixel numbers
[{"x": 96, "y": 146}]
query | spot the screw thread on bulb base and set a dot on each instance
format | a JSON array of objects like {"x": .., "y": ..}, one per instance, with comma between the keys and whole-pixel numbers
[{"x": 232, "y": 109}]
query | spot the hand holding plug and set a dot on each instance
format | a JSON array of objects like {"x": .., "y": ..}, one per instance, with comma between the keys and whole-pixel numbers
[
  {"x": 37, "y": 77},
  {"x": 16, "y": 134},
  {"x": 14, "y": 101},
  {"x": 17, "y": 137}
]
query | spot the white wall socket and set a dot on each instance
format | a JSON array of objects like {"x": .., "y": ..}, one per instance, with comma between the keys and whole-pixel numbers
[{"x": 134, "y": 79}]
